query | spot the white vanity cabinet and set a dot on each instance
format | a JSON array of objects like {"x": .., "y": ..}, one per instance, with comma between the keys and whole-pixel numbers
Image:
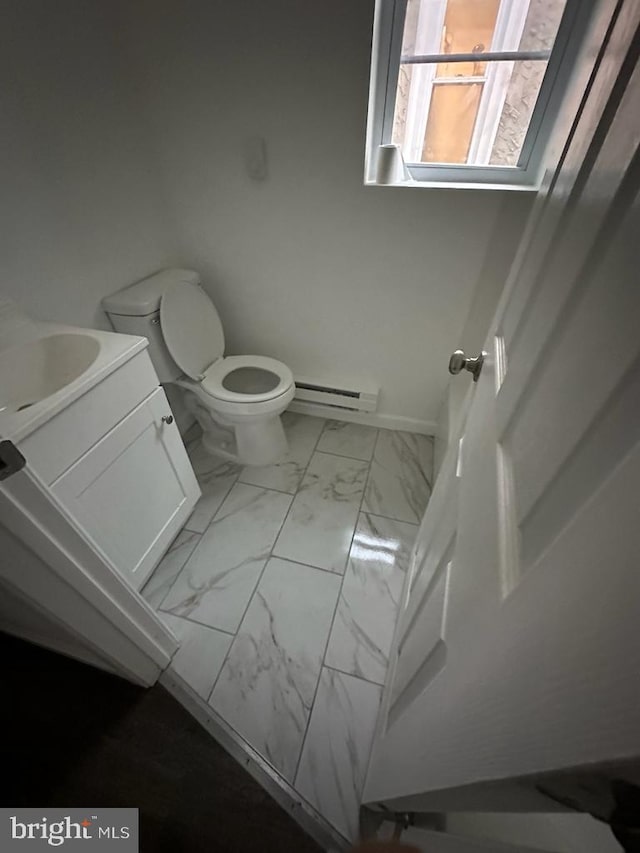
[{"x": 115, "y": 459}]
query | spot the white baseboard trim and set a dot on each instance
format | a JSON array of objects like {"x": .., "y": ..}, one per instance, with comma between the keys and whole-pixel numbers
[{"x": 374, "y": 419}]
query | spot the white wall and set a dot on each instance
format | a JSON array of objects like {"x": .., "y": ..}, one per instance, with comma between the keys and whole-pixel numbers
[
  {"x": 80, "y": 211},
  {"x": 112, "y": 167},
  {"x": 310, "y": 266}
]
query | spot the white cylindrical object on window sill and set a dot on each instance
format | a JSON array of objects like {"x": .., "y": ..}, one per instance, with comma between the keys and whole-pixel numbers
[{"x": 391, "y": 168}]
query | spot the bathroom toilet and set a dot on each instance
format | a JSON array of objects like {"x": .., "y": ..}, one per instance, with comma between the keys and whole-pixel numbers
[{"x": 237, "y": 400}]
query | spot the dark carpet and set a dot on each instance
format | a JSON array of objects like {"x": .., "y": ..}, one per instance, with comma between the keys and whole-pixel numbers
[{"x": 75, "y": 736}]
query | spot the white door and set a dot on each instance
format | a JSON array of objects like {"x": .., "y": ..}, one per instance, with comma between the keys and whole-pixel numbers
[
  {"x": 133, "y": 490},
  {"x": 518, "y": 651}
]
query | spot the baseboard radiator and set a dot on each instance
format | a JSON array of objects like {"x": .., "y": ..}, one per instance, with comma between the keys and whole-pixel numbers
[{"x": 363, "y": 398}]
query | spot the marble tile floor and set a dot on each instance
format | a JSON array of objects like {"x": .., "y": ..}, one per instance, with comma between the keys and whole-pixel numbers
[{"x": 283, "y": 588}]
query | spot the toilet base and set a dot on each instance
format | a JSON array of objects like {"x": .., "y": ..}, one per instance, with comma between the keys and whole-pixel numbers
[
  {"x": 261, "y": 442},
  {"x": 255, "y": 443},
  {"x": 247, "y": 441},
  {"x": 219, "y": 441}
]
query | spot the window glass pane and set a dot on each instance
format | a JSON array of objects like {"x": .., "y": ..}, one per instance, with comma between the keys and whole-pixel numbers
[
  {"x": 452, "y": 116},
  {"x": 467, "y": 28},
  {"x": 485, "y": 120}
]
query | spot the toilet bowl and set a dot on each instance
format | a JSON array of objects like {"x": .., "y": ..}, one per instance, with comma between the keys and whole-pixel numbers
[
  {"x": 237, "y": 400},
  {"x": 251, "y": 415}
]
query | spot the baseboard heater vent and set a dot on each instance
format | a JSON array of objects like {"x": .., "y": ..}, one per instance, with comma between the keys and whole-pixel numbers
[{"x": 364, "y": 398}]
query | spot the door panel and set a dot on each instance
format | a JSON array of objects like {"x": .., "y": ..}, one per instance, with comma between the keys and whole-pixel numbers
[
  {"x": 425, "y": 633},
  {"x": 575, "y": 248},
  {"x": 577, "y": 373},
  {"x": 585, "y": 106},
  {"x": 422, "y": 629}
]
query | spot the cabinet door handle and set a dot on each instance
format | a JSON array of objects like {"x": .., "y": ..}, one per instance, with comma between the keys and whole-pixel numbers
[{"x": 167, "y": 419}]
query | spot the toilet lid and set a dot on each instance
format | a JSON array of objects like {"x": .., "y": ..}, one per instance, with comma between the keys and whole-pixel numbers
[{"x": 191, "y": 328}]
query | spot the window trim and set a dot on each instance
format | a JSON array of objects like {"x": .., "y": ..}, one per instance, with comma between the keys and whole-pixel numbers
[{"x": 385, "y": 67}]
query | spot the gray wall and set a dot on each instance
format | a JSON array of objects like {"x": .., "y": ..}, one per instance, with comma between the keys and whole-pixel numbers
[
  {"x": 80, "y": 211},
  {"x": 334, "y": 278},
  {"x": 123, "y": 153}
]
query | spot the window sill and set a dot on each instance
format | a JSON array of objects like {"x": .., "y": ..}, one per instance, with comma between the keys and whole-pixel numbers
[{"x": 453, "y": 185}]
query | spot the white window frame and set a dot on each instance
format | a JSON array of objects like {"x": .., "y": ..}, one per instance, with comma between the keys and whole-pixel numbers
[{"x": 385, "y": 66}]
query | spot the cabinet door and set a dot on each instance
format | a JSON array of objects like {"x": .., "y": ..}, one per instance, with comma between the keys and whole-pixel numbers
[{"x": 134, "y": 489}]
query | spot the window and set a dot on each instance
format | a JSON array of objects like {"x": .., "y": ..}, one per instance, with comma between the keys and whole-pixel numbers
[{"x": 468, "y": 88}]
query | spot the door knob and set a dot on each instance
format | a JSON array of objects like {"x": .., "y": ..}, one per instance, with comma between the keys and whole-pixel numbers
[
  {"x": 167, "y": 419},
  {"x": 459, "y": 362}
]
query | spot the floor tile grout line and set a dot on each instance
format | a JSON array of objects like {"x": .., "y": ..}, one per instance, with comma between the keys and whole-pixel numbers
[
  {"x": 343, "y": 455},
  {"x": 251, "y": 597},
  {"x": 273, "y": 556},
  {"x": 335, "y": 611},
  {"x": 368, "y": 464},
  {"x": 195, "y": 622},
  {"x": 266, "y": 488},
  {"x": 366, "y": 485},
  {"x": 213, "y": 518},
  {"x": 186, "y": 560},
  {"x": 269, "y": 558},
  {"x": 300, "y": 481},
  {"x": 315, "y": 692},
  {"x": 419, "y": 470},
  {"x": 392, "y": 518},
  {"x": 191, "y": 553},
  {"x": 364, "y": 492},
  {"x": 236, "y": 481},
  {"x": 380, "y": 688},
  {"x": 266, "y": 563},
  {"x": 346, "y": 572},
  {"x": 357, "y": 677},
  {"x": 233, "y": 635},
  {"x": 226, "y": 495},
  {"x": 228, "y": 492},
  {"x": 297, "y": 489},
  {"x": 333, "y": 619}
]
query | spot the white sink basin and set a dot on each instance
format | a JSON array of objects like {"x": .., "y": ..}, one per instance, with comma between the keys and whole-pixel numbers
[
  {"x": 45, "y": 367},
  {"x": 37, "y": 369}
]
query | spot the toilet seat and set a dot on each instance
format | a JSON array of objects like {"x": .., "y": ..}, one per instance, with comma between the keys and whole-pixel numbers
[
  {"x": 263, "y": 378},
  {"x": 194, "y": 337}
]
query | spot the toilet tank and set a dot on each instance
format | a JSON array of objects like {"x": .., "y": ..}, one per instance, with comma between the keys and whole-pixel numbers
[{"x": 136, "y": 311}]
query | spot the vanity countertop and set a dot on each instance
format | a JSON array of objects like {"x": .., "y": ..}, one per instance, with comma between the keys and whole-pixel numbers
[{"x": 114, "y": 350}]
